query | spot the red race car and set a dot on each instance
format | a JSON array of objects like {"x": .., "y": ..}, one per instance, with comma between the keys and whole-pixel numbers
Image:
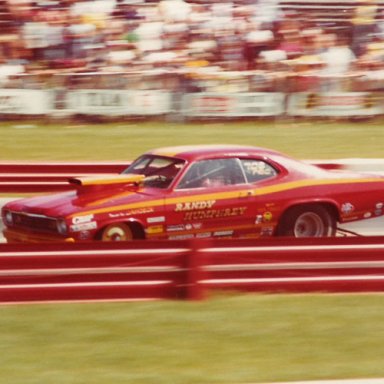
[{"x": 199, "y": 192}]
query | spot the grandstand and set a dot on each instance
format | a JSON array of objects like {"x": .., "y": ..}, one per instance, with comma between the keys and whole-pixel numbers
[
  {"x": 330, "y": 15},
  {"x": 189, "y": 46},
  {"x": 5, "y": 18}
]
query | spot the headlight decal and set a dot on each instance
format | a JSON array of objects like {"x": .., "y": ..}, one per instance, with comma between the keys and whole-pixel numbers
[
  {"x": 8, "y": 217},
  {"x": 62, "y": 227}
]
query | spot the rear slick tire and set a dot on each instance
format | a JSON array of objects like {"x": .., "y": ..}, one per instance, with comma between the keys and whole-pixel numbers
[{"x": 307, "y": 221}]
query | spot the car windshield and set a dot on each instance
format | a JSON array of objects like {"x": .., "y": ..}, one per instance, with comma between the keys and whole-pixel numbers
[{"x": 159, "y": 171}]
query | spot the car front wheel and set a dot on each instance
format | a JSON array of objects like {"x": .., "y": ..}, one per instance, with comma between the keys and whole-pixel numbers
[
  {"x": 307, "y": 221},
  {"x": 117, "y": 232}
]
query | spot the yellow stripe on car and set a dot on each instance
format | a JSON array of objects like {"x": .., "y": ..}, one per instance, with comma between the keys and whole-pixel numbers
[{"x": 229, "y": 194}]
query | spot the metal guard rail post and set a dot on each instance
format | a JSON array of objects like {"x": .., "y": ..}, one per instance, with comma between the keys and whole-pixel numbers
[{"x": 188, "y": 269}]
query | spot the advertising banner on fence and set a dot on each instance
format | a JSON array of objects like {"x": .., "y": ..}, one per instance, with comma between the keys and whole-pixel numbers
[
  {"x": 233, "y": 104},
  {"x": 336, "y": 104},
  {"x": 109, "y": 102},
  {"x": 25, "y": 101}
]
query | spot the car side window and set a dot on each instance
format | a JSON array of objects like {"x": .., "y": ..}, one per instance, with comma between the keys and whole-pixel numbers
[
  {"x": 212, "y": 173},
  {"x": 256, "y": 170}
]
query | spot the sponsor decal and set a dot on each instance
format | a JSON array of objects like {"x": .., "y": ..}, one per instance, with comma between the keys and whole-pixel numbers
[
  {"x": 379, "y": 209},
  {"x": 176, "y": 228},
  {"x": 138, "y": 211},
  {"x": 214, "y": 213},
  {"x": 82, "y": 219},
  {"x": 182, "y": 227},
  {"x": 154, "y": 229},
  {"x": 84, "y": 235},
  {"x": 223, "y": 233},
  {"x": 267, "y": 216},
  {"x": 203, "y": 235},
  {"x": 84, "y": 226},
  {"x": 266, "y": 231},
  {"x": 116, "y": 215},
  {"x": 194, "y": 205},
  {"x": 181, "y": 237},
  {"x": 158, "y": 219},
  {"x": 259, "y": 219},
  {"x": 257, "y": 168},
  {"x": 347, "y": 208}
]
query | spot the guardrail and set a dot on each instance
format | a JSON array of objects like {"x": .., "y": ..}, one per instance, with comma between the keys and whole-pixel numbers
[
  {"x": 22, "y": 177},
  {"x": 49, "y": 177},
  {"x": 188, "y": 269}
]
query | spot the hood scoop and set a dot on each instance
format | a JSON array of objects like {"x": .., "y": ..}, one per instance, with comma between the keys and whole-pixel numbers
[{"x": 93, "y": 184}]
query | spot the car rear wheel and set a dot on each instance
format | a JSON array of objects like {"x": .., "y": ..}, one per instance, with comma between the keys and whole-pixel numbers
[
  {"x": 117, "y": 232},
  {"x": 307, "y": 221}
]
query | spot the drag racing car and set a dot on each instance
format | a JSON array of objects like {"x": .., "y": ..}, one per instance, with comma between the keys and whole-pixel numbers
[{"x": 199, "y": 192}]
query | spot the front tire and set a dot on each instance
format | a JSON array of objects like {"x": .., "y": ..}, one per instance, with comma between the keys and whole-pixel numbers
[
  {"x": 307, "y": 221},
  {"x": 117, "y": 232}
]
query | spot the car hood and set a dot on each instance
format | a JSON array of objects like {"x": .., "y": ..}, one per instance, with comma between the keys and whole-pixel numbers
[{"x": 89, "y": 195}]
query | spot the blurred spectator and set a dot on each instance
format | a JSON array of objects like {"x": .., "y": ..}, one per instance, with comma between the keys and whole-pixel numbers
[
  {"x": 373, "y": 58},
  {"x": 257, "y": 41},
  {"x": 7, "y": 70},
  {"x": 363, "y": 25},
  {"x": 338, "y": 57},
  {"x": 230, "y": 49},
  {"x": 266, "y": 12},
  {"x": 126, "y": 11},
  {"x": 338, "y": 60},
  {"x": 291, "y": 43},
  {"x": 149, "y": 36},
  {"x": 228, "y": 35},
  {"x": 174, "y": 10},
  {"x": 289, "y": 23},
  {"x": 78, "y": 35},
  {"x": 36, "y": 36}
]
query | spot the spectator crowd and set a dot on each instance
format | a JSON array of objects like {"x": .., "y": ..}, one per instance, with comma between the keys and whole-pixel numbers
[{"x": 110, "y": 36}]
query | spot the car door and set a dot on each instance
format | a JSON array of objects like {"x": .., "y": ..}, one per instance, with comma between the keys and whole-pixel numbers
[
  {"x": 261, "y": 177},
  {"x": 210, "y": 200}
]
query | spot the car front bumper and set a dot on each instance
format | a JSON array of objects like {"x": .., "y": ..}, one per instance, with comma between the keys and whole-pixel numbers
[{"x": 21, "y": 236}]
